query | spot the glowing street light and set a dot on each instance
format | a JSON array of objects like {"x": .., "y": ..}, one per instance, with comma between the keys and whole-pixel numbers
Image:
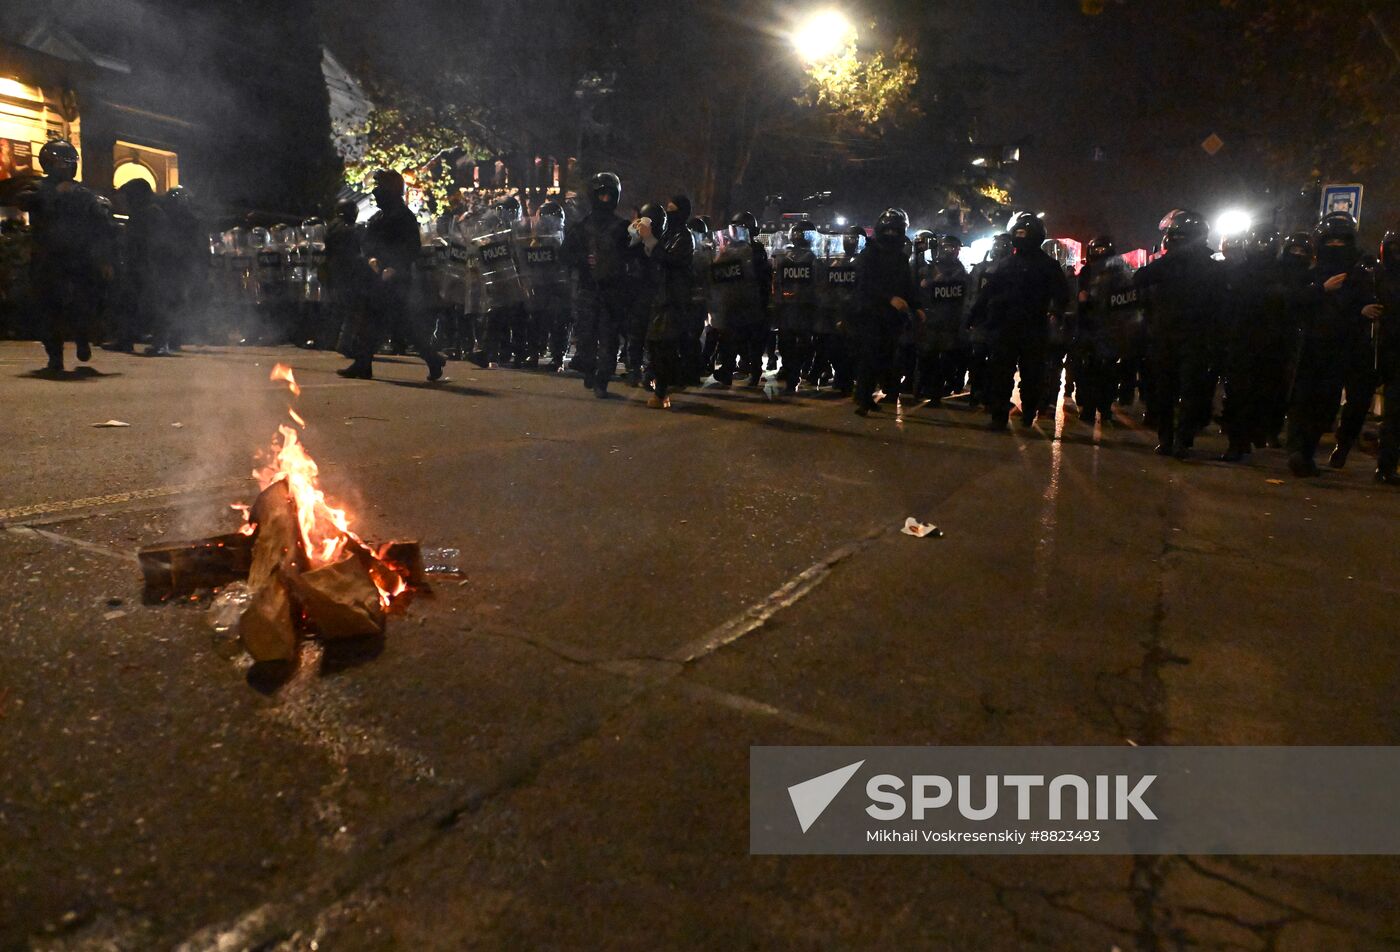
[
  {"x": 823, "y": 35},
  {"x": 1233, "y": 221}
]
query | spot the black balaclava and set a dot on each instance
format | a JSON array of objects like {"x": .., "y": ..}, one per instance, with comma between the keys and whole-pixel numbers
[
  {"x": 1336, "y": 258},
  {"x": 676, "y": 220}
]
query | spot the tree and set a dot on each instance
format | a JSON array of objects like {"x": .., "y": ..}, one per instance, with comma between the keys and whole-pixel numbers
[{"x": 417, "y": 136}]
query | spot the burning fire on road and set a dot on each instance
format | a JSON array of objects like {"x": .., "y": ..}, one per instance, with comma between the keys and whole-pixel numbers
[{"x": 307, "y": 572}]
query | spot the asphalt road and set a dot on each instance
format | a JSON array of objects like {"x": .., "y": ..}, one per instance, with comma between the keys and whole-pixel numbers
[{"x": 553, "y": 751}]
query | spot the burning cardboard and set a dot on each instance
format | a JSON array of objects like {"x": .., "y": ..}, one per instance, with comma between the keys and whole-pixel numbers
[{"x": 306, "y": 570}]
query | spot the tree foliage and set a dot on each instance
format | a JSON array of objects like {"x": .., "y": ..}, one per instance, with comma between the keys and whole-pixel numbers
[
  {"x": 864, "y": 92},
  {"x": 415, "y": 135}
]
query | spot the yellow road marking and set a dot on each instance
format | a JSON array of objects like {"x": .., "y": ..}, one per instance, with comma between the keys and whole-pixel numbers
[{"x": 111, "y": 499}]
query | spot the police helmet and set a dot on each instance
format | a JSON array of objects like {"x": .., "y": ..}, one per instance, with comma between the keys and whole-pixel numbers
[
  {"x": 1299, "y": 244},
  {"x": 1263, "y": 242},
  {"x": 654, "y": 212},
  {"x": 58, "y": 156},
  {"x": 1335, "y": 227},
  {"x": 606, "y": 189},
  {"x": 803, "y": 232},
  {"x": 892, "y": 226},
  {"x": 1181, "y": 226},
  {"x": 1026, "y": 231},
  {"x": 1099, "y": 248},
  {"x": 1390, "y": 250}
]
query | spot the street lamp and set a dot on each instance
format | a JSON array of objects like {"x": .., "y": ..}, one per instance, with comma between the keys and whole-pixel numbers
[{"x": 822, "y": 35}]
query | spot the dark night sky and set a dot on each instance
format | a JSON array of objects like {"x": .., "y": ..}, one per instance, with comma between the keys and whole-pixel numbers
[
  {"x": 1128, "y": 81},
  {"x": 1125, "y": 82}
]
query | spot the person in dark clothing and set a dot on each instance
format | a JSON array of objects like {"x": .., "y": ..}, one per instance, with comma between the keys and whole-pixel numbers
[
  {"x": 1109, "y": 319},
  {"x": 70, "y": 260},
  {"x": 1183, "y": 292},
  {"x": 836, "y": 284},
  {"x": 1023, "y": 293},
  {"x": 1361, "y": 365},
  {"x": 346, "y": 273},
  {"x": 669, "y": 284},
  {"x": 1336, "y": 346},
  {"x": 390, "y": 248},
  {"x": 749, "y": 336},
  {"x": 976, "y": 338},
  {"x": 795, "y": 279},
  {"x": 884, "y": 290},
  {"x": 1261, "y": 337},
  {"x": 597, "y": 249},
  {"x": 945, "y": 291},
  {"x": 189, "y": 267},
  {"x": 1387, "y": 334},
  {"x": 735, "y": 301},
  {"x": 150, "y": 256}
]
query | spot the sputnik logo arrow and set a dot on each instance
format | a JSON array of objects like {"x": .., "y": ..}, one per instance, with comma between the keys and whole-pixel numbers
[{"x": 810, "y": 798}]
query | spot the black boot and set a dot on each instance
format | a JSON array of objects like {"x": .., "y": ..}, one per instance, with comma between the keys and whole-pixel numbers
[
  {"x": 1302, "y": 466},
  {"x": 1338, "y": 459}
]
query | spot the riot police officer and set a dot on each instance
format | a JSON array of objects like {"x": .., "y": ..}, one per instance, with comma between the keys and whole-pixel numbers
[
  {"x": 498, "y": 234},
  {"x": 1360, "y": 369},
  {"x": 547, "y": 283},
  {"x": 737, "y": 313},
  {"x": 597, "y": 249},
  {"x": 883, "y": 309},
  {"x": 975, "y": 338},
  {"x": 1109, "y": 320},
  {"x": 1387, "y": 350},
  {"x": 836, "y": 285},
  {"x": 1335, "y": 351},
  {"x": 945, "y": 289},
  {"x": 1183, "y": 292},
  {"x": 70, "y": 258},
  {"x": 390, "y": 248},
  {"x": 697, "y": 353},
  {"x": 150, "y": 277},
  {"x": 795, "y": 292},
  {"x": 670, "y": 276},
  {"x": 345, "y": 273},
  {"x": 1261, "y": 336},
  {"x": 1023, "y": 293},
  {"x": 751, "y": 337}
]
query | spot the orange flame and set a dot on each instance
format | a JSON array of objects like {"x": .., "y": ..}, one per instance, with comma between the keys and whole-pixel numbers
[
  {"x": 283, "y": 372},
  {"x": 325, "y": 528}
]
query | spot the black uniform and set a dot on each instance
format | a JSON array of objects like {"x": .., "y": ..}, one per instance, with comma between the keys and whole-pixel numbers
[
  {"x": 597, "y": 249},
  {"x": 71, "y": 248},
  {"x": 1013, "y": 310},
  {"x": 1109, "y": 322},
  {"x": 1336, "y": 352},
  {"x": 1261, "y": 339},
  {"x": 346, "y": 279},
  {"x": 670, "y": 281},
  {"x": 831, "y": 358},
  {"x": 945, "y": 292},
  {"x": 391, "y": 240},
  {"x": 795, "y": 273},
  {"x": 1388, "y": 367},
  {"x": 1183, "y": 292},
  {"x": 882, "y": 273}
]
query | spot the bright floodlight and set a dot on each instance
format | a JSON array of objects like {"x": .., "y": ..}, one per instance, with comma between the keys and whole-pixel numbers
[
  {"x": 841, "y": 221},
  {"x": 823, "y": 35},
  {"x": 1233, "y": 221}
]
